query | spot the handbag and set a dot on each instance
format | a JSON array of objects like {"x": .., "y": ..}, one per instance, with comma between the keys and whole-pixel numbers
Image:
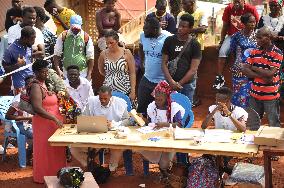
[
  {"x": 25, "y": 104},
  {"x": 172, "y": 65}
]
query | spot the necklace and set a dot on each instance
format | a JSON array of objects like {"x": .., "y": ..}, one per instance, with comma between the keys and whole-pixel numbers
[{"x": 274, "y": 27}]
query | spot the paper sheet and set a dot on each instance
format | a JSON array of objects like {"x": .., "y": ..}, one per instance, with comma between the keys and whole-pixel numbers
[
  {"x": 150, "y": 129},
  {"x": 184, "y": 134}
]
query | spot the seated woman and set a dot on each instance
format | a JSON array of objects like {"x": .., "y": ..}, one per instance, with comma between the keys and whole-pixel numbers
[
  {"x": 164, "y": 113},
  {"x": 225, "y": 115},
  {"x": 23, "y": 120},
  {"x": 108, "y": 18}
]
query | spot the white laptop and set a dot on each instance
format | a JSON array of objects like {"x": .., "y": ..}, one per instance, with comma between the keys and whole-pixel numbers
[{"x": 92, "y": 124}]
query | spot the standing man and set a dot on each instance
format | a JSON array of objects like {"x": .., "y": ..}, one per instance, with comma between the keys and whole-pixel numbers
[
  {"x": 60, "y": 15},
  {"x": 79, "y": 88},
  {"x": 18, "y": 54},
  {"x": 75, "y": 47},
  {"x": 167, "y": 21},
  {"x": 263, "y": 66},
  {"x": 150, "y": 52},
  {"x": 184, "y": 78},
  {"x": 231, "y": 24},
  {"x": 14, "y": 14},
  {"x": 29, "y": 19}
]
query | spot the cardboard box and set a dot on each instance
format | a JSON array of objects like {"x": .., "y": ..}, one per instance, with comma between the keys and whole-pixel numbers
[{"x": 269, "y": 136}]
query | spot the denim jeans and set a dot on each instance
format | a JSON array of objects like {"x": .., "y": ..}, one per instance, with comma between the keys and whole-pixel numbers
[
  {"x": 271, "y": 108},
  {"x": 188, "y": 89}
]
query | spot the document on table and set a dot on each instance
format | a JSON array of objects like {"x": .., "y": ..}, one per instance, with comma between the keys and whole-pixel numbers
[
  {"x": 218, "y": 135},
  {"x": 185, "y": 134},
  {"x": 149, "y": 129}
]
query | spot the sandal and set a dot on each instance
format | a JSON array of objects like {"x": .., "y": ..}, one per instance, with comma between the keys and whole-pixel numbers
[{"x": 275, "y": 158}]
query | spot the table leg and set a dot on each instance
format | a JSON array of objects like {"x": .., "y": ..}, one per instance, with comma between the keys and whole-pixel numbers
[{"x": 267, "y": 169}]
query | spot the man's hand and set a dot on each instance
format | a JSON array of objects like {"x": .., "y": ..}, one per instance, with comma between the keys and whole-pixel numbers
[
  {"x": 161, "y": 125},
  {"x": 109, "y": 124},
  {"x": 132, "y": 95},
  {"x": 175, "y": 86},
  {"x": 58, "y": 122},
  {"x": 163, "y": 24},
  {"x": 21, "y": 61},
  {"x": 60, "y": 73}
]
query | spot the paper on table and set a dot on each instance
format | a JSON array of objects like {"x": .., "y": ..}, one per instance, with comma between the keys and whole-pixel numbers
[
  {"x": 187, "y": 134},
  {"x": 149, "y": 129},
  {"x": 218, "y": 135}
]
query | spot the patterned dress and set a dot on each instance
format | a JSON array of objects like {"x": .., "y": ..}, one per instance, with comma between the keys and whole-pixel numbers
[
  {"x": 241, "y": 45},
  {"x": 117, "y": 75}
]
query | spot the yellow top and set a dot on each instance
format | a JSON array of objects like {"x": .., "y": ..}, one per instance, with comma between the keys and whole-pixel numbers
[
  {"x": 65, "y": 16},
  {"x": 199, "y": 20}
]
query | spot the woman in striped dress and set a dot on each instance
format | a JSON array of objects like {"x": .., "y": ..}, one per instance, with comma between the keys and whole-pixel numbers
[{"x": 117, "y": 64}]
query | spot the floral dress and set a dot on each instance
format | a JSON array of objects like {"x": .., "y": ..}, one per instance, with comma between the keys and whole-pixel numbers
[{"x": 241, "y": 45}]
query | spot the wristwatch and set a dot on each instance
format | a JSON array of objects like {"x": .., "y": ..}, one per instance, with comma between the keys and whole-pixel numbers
[{"x": 229, "y": 114}]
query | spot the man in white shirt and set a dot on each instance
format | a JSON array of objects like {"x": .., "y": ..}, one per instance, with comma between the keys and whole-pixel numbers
[
  {"x": 79, "y": 88},
  {"x": 225, "y": 114},
  {"x": 29, "y": 18},
  {"x": 114, "y": 109}
]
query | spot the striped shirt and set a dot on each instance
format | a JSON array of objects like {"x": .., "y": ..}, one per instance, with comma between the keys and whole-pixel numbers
[{"x": 260, "y": 89}]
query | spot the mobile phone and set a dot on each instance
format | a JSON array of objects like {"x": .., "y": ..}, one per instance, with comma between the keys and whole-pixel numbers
[{"x": 54, "y": 11}]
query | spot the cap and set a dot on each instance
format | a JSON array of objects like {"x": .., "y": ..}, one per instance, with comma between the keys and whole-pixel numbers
[{"x": 76, "y": 21}]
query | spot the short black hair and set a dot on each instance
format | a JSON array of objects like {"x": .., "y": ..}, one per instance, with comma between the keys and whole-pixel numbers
[
  {"x": 161, "y": 1},
  {"x": 104, "y": 89},
  {"x": 225, "y": 91},
  {"x": 28, "y": 10},
  {"x": 40, "y": 13},
  {"x": 188, "y": 18},
  {"x": 245, "y": 17},
  {"x": 112, "y": 34},
  {"x": 39, "y": 64},
  {"x": 27, "y": 32},
  {"x": 153, "y": 22},
  {"x": 73, "y": 67},
  {"x": 49, "y": 2}
]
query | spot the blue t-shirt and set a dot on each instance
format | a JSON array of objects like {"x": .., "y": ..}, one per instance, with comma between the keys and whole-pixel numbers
[
  {"x": 152, "y": 48},
  {"x": 10, "y": 57}
]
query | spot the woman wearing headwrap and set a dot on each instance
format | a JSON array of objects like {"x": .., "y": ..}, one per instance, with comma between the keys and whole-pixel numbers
[
  {"x": 163, "y": 113},
  {"x": 274, "y": 21}
]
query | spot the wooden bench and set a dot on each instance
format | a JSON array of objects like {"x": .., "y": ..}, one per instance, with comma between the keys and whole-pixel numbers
[{"x": 53, "y": 181}]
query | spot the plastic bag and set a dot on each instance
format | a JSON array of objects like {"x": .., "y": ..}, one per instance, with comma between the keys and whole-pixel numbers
[{"x": 246, "y": 172}]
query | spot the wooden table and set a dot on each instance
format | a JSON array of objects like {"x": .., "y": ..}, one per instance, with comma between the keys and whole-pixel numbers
[
  {"x": 53, "y": 182},
  {"x": 269, "y": 152},
  {"x": 69, "y": 137}
]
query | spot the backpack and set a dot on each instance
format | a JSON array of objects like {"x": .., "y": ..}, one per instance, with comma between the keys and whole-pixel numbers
[
  {"x": 203, "y": 173},
  {"x": 86, "y": 39}
]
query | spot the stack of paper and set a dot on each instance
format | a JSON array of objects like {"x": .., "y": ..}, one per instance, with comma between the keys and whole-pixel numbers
[
  {"x": 149, "y": 129},
  {"x": 218, "y": 135},
  {"x": 185, "y": 134}
]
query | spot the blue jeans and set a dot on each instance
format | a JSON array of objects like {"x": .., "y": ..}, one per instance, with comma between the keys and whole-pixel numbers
[
  {"x": 188, "y": 89},
  {"x": 271, "y": 108}
]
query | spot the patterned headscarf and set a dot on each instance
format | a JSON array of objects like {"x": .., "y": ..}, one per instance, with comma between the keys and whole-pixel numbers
[
  {"x": 280, "y": 2},
  {"x": 164, "y": 87}
]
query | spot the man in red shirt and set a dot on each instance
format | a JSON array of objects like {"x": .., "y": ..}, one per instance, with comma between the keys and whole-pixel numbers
[{"x": 231, "y": 24}]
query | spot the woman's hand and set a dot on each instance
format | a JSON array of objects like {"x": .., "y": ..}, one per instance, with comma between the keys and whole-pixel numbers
[
  {"x": 58, "y": 122},
  {"x": 132, "y": 95},
  {"x": 161, "y": 125}
]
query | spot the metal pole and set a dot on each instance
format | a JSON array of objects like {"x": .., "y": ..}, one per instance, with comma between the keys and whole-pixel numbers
[{"x": 146, "y": 6}]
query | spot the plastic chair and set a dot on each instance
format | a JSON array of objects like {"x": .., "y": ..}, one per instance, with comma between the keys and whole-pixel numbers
[
  {"x": 187, "y": 122},
  {"x": 127, "y": 154},
  {"x": 5, "y": 102}
]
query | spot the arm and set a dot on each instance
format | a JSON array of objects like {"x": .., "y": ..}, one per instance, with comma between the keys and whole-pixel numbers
[
  {"x": 56, "y": 16},
  {"x": 202, "y": 26},
  {"x": 260, "y": 23},
  {"x": 39, "y": 52},
  {"x": 247, "y": 70},
  {"x": 57, "y": 55},
  {"x": 191, "y": 72},
  {"x": 99, "y": 23},
  {"x": 132, "y": 73},
  {"x": 176, "y": 122},
  {"x": 142, "y": 56},
  {"x": 172, "y": 25},
  {"x": 224, "y": 31},
  {"x": 8, "y": 60},
  {"x": 209, "y": 118},
  {"x": 90, "y": 55},
  {"x": 200, "y": 29},
  {"x": 269, "y": 73},
  {"x": 10, "y": 115},
  {"x": 117, "y": 21},
  {"x": 36, "y": 101},
  {"x": 101, "y": 63},
  {"x": 10, "y": 68}
]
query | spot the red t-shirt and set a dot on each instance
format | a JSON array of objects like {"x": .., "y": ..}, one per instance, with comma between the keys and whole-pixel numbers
[{"x": 233, "y": 17}]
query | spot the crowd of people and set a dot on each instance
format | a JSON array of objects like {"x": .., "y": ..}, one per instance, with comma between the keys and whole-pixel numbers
[{"x": 170, "y": 50}]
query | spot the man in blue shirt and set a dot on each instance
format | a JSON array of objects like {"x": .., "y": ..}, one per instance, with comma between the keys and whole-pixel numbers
[
  {"x": 150, "y": 51},
  {"x": 18, "y": 54}
]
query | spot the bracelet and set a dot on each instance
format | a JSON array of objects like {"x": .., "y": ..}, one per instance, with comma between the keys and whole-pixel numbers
[{"x": 229, "y": 114}]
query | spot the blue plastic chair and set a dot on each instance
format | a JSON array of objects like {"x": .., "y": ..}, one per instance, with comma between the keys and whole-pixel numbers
[
  {"x": 5, "y": 102},
  {"x": 187, "y": 122},
  {"x": 127, "y": 154}
]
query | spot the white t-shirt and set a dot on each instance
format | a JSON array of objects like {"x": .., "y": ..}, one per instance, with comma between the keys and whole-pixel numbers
[
  {"x": 14, "y": 33},
  {"x": 82, "y": 93},
  {"x": 222, "y": 122}
]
